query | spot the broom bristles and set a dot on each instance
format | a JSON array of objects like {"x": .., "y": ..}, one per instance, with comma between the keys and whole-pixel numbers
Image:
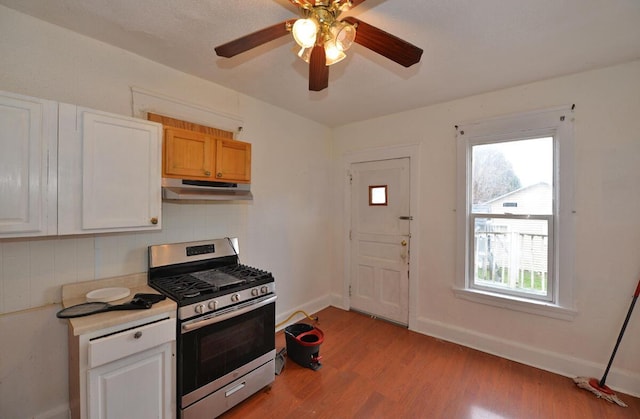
[{"x": 585, "y": 383}]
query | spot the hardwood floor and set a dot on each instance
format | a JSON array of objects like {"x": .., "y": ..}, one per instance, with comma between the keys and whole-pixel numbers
[{"x": 374, "y": 369}]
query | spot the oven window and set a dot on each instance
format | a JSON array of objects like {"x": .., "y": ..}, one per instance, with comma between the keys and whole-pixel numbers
[{"x": 215, "y": 350}]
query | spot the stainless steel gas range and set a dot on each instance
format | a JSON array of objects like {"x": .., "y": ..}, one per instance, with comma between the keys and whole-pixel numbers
[{"x": 226, "y": 323}]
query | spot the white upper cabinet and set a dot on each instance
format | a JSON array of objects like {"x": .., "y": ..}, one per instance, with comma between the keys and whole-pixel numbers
[
  {"x": 28, "y": 166},
  {"x": 109, "y": 172}
]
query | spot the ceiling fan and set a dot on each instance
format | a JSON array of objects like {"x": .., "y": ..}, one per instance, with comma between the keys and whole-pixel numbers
[{"x": 323, "y": 38}]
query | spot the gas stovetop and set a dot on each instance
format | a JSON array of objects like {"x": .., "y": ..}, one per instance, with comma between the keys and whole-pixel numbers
[
  {"x": 196, "y": 286},
  {"x": 205, "y": 277}
]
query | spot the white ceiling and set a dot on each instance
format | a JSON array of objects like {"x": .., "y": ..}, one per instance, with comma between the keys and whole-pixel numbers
[{"x": 470, "y": 46}]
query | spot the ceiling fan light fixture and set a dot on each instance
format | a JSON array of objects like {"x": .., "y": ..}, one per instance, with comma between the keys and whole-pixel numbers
[{"x": 305, "y": 32}]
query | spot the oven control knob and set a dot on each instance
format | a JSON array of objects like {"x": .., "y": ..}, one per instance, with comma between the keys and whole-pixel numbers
[
  {"x": 213, "y": 304},
  {"x": 199, "y": 308},
  {"x": 264, "y": 289},
  {"x": 235, "y": 298},
  {"x": 255, "y": 292}
]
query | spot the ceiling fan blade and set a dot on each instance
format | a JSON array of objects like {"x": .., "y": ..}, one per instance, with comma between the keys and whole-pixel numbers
[
  {"x": 385, "y": 44},
  {"x": 318, "y": 70},
  {"x": 254, "y": 39}
]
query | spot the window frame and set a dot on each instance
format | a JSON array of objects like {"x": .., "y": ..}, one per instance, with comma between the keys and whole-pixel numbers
[{"x": 558, "y": 124}]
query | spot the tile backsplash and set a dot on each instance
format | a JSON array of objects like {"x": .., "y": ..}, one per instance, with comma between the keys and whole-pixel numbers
[{"x": 33, "y": 270}]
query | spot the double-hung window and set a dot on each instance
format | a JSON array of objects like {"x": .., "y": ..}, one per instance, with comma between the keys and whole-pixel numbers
[{"x": 515, "y": 212}]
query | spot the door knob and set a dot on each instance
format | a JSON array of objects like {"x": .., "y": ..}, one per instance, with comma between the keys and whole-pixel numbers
[{"x": 403, "y": 242}]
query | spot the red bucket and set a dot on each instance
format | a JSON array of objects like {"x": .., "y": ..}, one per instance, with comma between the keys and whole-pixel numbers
[{"x": 303, "y": 344}]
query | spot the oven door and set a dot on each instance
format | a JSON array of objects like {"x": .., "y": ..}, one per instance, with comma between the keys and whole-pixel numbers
[{"x": 217, "y": 349}]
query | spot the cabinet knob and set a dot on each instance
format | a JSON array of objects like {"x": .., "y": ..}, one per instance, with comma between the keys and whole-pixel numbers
[
  {"x": 207, "y": 173},
  {"x": 137, "y": 335},
  {"x": 218, "y": 174},
  {"x": 154, "y": 220}
]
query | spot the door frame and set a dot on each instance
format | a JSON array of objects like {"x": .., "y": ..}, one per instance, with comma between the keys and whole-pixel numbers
[{"x": 412, "y": 151}]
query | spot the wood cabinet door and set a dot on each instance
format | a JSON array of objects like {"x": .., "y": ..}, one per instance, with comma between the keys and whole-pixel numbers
[
  {"x": 28, "y": 166},
  {"x": 109, "y": 172},
  {"x": 188, "y": 154},
  {"x": 233, "y": 161}
]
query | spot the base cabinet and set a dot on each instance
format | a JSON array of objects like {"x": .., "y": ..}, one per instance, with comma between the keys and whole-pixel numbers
[
  {"x": 132, "y": 387},
  {"x": 126, "y": 371}
]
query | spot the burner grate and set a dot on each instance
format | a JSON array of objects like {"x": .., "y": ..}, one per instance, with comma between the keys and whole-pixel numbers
[
  {"x": 247, "y": 273},
  {"x": 224, "y": 278},
  {"x": 183, "y": 287}
]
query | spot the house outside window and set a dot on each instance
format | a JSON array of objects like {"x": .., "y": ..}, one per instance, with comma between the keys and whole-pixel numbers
[{"x": 515, "y": 212}]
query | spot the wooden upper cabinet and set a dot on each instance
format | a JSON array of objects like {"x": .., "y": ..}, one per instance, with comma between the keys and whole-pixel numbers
[
  {"x": 188, "y": 154},
  {"x": 197, "y": 152},
  {"x": 233, "y": 161}
]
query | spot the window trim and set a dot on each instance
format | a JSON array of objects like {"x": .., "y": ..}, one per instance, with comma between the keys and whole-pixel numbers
[{"x": 557, "y": 123}]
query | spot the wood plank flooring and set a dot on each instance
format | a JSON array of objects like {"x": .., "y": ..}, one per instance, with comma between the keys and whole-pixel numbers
[{"x": 374, "y": 369}]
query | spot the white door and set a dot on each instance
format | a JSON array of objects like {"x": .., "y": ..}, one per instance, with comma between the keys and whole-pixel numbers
[{"x": 380, "y": 238}]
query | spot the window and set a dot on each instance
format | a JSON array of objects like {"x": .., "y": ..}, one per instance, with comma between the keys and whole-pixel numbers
[
  {"x": 515, "y": 212},
  {"x": 378, "y": 195}
]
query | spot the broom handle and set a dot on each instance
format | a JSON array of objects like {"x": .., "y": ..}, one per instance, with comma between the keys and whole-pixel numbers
[{"x": 624, "y": 326}]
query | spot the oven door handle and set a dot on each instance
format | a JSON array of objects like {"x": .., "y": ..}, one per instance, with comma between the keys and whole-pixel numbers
[{"x": 188, "y": 327}]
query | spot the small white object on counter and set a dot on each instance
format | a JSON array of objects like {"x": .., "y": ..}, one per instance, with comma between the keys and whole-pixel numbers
[{"x": 105, "y": 295}]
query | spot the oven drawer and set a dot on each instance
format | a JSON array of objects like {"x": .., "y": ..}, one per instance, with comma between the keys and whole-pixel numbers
[
  {"x": 128, "y": 342},
  {"x": 230, "y": 395}
]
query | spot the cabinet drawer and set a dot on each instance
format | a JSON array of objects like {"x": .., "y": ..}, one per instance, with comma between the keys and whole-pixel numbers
[{"x": 119, "y": 345}]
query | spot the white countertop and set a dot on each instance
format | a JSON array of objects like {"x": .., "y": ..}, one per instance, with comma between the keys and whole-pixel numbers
[{"x": 75, "y": 293}]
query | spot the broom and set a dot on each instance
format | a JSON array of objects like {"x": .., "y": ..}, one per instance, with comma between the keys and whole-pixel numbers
[{"x": 598, "y": 387}]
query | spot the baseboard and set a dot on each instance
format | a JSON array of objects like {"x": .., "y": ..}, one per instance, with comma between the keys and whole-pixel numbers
[
  {"x": 60, "y": 412},
  {"x": 310, "y": 307},
  {"x": 619, "y": 380}
]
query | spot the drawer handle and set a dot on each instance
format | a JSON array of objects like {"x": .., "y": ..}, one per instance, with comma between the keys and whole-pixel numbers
[
  {"x": 137, "y": 335},
  {"x": 235, "y": 389}
]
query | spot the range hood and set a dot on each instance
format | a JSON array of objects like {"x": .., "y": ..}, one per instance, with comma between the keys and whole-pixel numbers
[{"x": 198, "y": 190}]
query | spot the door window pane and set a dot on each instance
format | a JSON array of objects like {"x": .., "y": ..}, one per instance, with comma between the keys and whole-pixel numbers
[{"x": 378, "y": 195}]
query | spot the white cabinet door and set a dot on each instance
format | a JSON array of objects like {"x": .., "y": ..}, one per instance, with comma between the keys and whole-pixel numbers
[
  {"x": 138, "y": 386},
  {"x": 28, "y": 165},
  {"x": 109, "y": 172}
]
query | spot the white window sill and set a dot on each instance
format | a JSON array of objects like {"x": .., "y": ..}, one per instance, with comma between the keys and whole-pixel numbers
[{"x": 519, "y": 304}]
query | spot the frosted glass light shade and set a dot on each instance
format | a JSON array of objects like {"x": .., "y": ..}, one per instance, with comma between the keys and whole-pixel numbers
[
  {"x": 304, "y": 32},
  {"x": 333, "y": 54},
  {"x": 305, "y": 54},
  {"x": 344, "y": 34}
]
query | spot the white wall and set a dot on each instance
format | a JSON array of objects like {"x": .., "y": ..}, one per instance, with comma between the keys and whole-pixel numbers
[
  {"x": 297, "y": 198},
  {"x": 282, "y": 230},
  {"x": 607, "y": 201}
]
